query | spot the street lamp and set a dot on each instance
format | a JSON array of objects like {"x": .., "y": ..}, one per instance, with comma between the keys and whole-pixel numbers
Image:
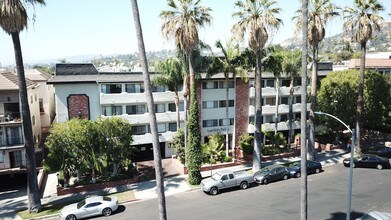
[{"x": 351, "y": 162}]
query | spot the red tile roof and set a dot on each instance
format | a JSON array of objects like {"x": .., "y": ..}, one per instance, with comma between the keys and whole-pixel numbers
[{"x": 371, "y": 63}]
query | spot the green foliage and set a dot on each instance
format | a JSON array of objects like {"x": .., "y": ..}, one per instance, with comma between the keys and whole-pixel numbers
[
  {"x": 178, "y": 142},
  {"x": 338, "y": 96},
  {"x": 275, "y": 139},
  {"x": 246, "y": 143},
  {"x": 193, "y": 151},
  {"x": 214, "y": 147}
]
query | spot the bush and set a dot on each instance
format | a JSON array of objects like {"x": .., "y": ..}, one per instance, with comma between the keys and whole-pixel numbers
[{"x": 246, "y": 143}]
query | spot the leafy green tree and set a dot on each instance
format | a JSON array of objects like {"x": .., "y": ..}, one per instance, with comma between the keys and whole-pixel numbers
[
  {"x": 116, "y": 141},
  {"x": 193, "y": 150},
  {"x": 157, "y": 157},
  {"x": 319, "y": 12},
  {"x": 359, "y": 22},
  {"x": 246, "y": 143},
  {"x": 228, "y": 63},
  {"x": 170, "y": 74},
  {"x": 13, "y": 20},
  {"x": 214, "y": 150},
  {"x": 337, "y": 97},
  {"x": 178, "y": 142},
  {"x": 256, "y": 17}
]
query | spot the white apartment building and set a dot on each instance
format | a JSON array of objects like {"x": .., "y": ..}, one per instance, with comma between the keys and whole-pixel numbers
[{"x": 82, "y": 91}]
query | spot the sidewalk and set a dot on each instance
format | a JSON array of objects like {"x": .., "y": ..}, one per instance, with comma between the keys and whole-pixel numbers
[{"x": 147, "y": 189}]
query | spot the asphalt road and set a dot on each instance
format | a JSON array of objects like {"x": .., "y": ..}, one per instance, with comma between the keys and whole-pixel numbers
[{"x": 327, "y": 199}]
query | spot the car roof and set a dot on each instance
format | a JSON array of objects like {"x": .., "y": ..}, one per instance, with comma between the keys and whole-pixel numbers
[
  {"x": 94, "y": 199},
  {"x": 223, "y": 172},
  {"x": 274, "y": 166},
  {"x": 380, "y": 215}
]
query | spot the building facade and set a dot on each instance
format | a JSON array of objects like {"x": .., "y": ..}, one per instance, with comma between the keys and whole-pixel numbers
[{"x": 82, "y": 91}]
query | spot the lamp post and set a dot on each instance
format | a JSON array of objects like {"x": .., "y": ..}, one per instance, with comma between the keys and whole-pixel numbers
[{"x": 353, "y": 132}]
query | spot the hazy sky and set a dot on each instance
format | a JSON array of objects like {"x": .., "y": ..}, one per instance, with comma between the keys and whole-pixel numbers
[{"x": 65, "y": 28}]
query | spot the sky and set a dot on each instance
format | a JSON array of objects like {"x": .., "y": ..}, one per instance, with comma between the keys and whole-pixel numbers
[{"x": 65, "y": 28}]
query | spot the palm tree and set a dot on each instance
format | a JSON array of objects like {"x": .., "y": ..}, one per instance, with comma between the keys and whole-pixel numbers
[
  {"x": 152, "y": 116},
  {"x": 303, "y": 122},
  {"x": 272, "y": 62},
  {"x": 170, "y": 74},
  {"x": 359, "y": 22},
  {"x": 228, "y": 63},
  {"x": 320, "y": 12},
  {"x": 256, "y": 17},
  {"x": 291, "y": 66},
  {"x": 13, "y": 20}
]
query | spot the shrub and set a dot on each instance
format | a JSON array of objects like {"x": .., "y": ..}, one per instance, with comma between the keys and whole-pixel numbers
[{"x": 246, "y": 143}]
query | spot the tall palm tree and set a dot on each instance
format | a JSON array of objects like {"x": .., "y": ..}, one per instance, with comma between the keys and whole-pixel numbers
[
  {"x": 291, "y": 66},
  {"x": 272, "y": 62},
  {"x": 152, "y": 116},
  {"x": 228, "y": 63},
  {"x": 319, "y": 13},
  {"x": 257, "y": 17},
  {"x": 359, "y": 22},
  {"x": 303, "y": 121},
  {"x": 170, "y": 74},
  {"x": 13, "y": 20}
]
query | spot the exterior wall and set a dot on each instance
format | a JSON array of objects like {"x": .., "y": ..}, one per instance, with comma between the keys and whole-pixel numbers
[
  {"x": 46, "y": 94},
  {"x": 241, "y": 109},
  {"x": 35, "y": 114},
  {"x": 64, "y": 90}
]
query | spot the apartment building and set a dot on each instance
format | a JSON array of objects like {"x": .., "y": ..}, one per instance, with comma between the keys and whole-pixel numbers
[
  {"x": 12, "y": 149},
  {"x": 82, "y": 91}
]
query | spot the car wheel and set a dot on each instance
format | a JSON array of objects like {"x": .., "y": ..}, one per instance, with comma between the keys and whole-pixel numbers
[
  {"x": 298, "y": 175},
  {"x": 244, "y": 185},
  {"x": 285, "y": 177},
  {"x": 317, "y": 170},
  {"x": 71, "y": 217},
  {"x": 379, "y": 167},
  {"x": 214, "y": 191},
  {"x": 265, "y": 181},
  {"x": 106, "y": 211}
]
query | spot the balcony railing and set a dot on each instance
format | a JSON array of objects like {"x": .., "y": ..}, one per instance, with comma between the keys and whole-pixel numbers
[
  {"x": 10, "y": 142},
  {"x": 10, "y": 117}
]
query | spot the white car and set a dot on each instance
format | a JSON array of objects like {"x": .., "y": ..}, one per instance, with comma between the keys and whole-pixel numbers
[
  {"x": 92, "y": 206},
  {"x": 376, "y": 216}
]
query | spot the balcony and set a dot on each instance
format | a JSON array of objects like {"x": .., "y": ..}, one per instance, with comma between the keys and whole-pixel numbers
[
  {"x": 10, "y": 118},
  {"x": 11, "y": 143}
]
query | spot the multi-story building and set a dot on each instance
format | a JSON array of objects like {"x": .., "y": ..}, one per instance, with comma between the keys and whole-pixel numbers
[
  {"x": 12, "y": 149},
  {"x": 82, "y": 91}
]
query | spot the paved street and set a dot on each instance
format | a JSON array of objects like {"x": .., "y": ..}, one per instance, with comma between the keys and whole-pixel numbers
[{"x": 281, "y": 200}]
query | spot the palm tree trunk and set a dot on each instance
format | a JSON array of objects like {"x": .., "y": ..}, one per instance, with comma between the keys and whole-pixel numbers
[
  {"x": 360, "y": 99},
  {"x": 191, "y": 70},
  {"x": 34, "y": 201},
  {"x": 186, "y": 108},
  {"x": 178, "y": 116},
  {"x": 314, "y": 79},
  {"x": 303, "y": 122},
  {"x": 152, "y": 115},
  {"x": 277, "y": 97},
  {"x": 258, "y": 114},
  {"x": 226, "y": 115},
  {"x": 290, "y": 111}
]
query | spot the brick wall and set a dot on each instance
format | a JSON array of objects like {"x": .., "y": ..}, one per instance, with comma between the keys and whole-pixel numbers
[
  {"x": 241, "y": 111},
  {"x": 78, "y": 106}
]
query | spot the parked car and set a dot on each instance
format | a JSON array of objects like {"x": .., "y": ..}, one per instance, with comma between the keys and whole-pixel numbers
[
  {"x": 374, "y": 215},
  {"x": 312, "y": 167},
  {"x": 368, "y": 161},
  {"x": 92, "y": 206},
  {"x": 271, "y": 173},
  {"x": 378, "y": 150},
  {"x": 226, "y": 179}
]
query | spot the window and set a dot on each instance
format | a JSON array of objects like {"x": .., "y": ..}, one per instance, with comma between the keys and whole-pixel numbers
[
  {"x": 134, "y": 88},
  {"x": 270, "y": 83},
  {"x": 222, "y": 121},
  {"x": 14, "y": 135},
  {"x": 135, "y": 109},
  {"x": 224, "y": 178},
  {"x": 284, "y": 101},
  {"x": 41, "y": 109},
  {"x": 270, "y": 101},
  {"x": 139, "y": 129},
  {"x": 222, "y": 84},
  {"x": 171, "y": 107},
  {"x": 285, "y": 82},
  {"x": 91, "y": 205},
  {"x": 158, "y": 89},
  {"x": 222, "y": 103},
  {"x": 111, "y": 88},
  {"x": 269, "y": 119},
  {"x": 111, "y": 110},
  {"x": 231, "y": 176},
  {"x": 1, "y": 158},
  {"x": 31, "y": 99},
  {"x": 283, "y": 117},
  {"x": 160, "y": 108},
  {"x": 297, "y": 82},
  {"x": 251, "y": 119},
  {"x": 297, "y": 116},
  {"x": 210, "y": 85},
  {"x": 172, "y": 127},
  {"x": 161, "y": 128},
  {"x": 298, "y": 99},
  {"x": 35, "y": 97},
  {"x": 210, "y": 123},
  {"x": 209, "y": 104},
  {"x": 33, "y": 119}
]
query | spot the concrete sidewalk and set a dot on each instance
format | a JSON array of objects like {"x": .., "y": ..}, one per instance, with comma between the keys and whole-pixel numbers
[{"x": 147, "y": 189}]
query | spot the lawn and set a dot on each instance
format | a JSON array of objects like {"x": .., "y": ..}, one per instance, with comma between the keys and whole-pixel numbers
[{"x": 54, "y": 209}]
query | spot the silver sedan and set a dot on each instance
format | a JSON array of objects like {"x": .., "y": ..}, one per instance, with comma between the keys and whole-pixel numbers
[{"x": 92, "y": 206}]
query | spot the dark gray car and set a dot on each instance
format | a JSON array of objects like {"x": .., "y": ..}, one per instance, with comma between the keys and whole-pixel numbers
[{"x": 271, "y": 173}]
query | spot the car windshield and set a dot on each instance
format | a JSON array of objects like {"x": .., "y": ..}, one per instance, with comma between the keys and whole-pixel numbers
[
  {"x": 216, "y": 176},
  {"x": 295, "y": 164},
  {"x": 264, "y": 170},
  {"x": 106, "y": 198},
  {"x": 81, "y": 204}
]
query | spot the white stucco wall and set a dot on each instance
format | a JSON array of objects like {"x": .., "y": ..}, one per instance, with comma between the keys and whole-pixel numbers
[{"x": 64, "y": 90}]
